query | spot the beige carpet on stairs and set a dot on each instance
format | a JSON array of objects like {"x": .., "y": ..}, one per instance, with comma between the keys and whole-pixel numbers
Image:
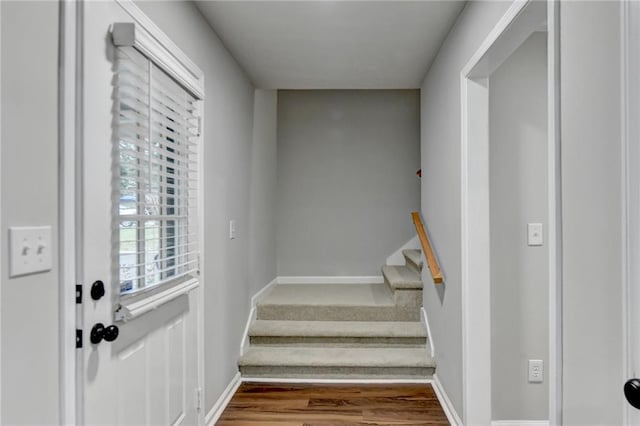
[{"x": 350, "y": 331}]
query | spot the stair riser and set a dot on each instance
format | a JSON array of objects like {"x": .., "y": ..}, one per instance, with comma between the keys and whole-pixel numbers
[
  {"x": 390, "y": 288},
  {"x": 412, "y": 265},
  {"x": 338, "y": 372},
  {"x": 405, "y": 298},
  {"x": 417, "y": 342},
  {"x": 411, "y": 298},
  {"x": 337, "y": 313}
]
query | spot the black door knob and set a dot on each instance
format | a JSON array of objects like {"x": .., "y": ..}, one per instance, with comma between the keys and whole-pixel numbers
[
  {"x": 99, "y": 332},
  {"x": 111, "y": 333},
  {"x": 97, "y": 290},
  {"x": 632, "y": 392}
]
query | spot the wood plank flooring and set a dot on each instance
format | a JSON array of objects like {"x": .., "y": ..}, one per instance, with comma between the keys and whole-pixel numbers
[{"x": 323, "y": 405}]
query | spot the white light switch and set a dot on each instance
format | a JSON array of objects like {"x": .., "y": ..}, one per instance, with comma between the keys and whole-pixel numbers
[
  {"x": 534, "y": 234},
  {"x": 536, "y": 371},
  {"x": 232, "y": 229},
  {"x": 29, "y": 250}
]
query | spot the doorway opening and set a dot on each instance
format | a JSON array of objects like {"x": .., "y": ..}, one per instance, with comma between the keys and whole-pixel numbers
[{"x": 510, "y": 189}]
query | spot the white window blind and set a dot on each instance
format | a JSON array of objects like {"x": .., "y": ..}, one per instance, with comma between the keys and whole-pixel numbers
[{"x": 156, "y": 176}]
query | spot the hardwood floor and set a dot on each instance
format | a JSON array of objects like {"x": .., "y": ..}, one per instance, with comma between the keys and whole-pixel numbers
[{"x": 323, "y": 405}]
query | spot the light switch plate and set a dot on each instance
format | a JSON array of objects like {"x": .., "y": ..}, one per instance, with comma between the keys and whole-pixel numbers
[
  {"x": 534, "y": 234},
  {"x": 29, "y": 250}
]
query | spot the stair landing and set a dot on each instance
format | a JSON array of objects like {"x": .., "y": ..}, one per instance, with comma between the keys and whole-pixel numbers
[{"x": 354, "y": 331}]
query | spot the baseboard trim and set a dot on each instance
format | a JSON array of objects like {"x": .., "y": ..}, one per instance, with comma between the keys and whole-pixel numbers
[
  {"x": 252, "y": 314},
  {"x": 377, "y": 279},
  {"x": 245, "y": 336},
  {"x": 311, "y": 380},
  {"x": 520, "y": 423},
  {"x": 260, "y": 294},
  {"x": 445, "y": 402},
  {"x": 423, "y": 314},
  {"x": 218, "y": 408},
  {"x": 397, "y": 258}
]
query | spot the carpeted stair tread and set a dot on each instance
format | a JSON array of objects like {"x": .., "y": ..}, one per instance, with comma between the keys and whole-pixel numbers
[
  {"x": 414, "y": 256},
  {"x": 272, "y": 328},
  {"x": 328, "y": 295},
  {"x": 401, "y": 277},
  {"x": 292, "y": 357}
]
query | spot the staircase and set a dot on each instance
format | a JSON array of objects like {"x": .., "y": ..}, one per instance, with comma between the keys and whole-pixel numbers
[{"x": 349, "y": 331}]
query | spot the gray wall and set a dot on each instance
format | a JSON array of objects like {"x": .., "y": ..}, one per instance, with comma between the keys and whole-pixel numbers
[
  {"x": 346, "y": 179},
  {"x": 30, "y": 328},
  {"x": 518, "y": 195},
  {"x": 440, "y": 154},
  {"x": 262, "y": 207},
  {"x": 592, "y": 196},
  {"x": 228, "y": 149}
]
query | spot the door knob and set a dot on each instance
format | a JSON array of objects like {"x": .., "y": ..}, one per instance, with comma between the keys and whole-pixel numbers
[
  {"x": 97, "y": 290},
  {"x": 632, "y": 392},
  {"x": 111, "y": 333},
  {"x": 99, "y": 332}
]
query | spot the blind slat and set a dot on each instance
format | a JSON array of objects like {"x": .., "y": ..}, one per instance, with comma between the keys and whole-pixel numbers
[{"x": 156, "y": 171}]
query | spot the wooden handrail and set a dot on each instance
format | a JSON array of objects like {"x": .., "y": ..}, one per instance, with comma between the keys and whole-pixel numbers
[{"x": 432, "y": 262}]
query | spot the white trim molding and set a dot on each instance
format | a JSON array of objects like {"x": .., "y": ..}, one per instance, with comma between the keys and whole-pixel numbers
[
  {"x": 1, "y": 251},
  {"x": 522, "y": 19},
  {"x": 397, "y": 258},
  {"x": 252, "y": 313},
  {"x": 630, "y": 94},
  {"x": 375, "y": 279},
  {"x": 554, "y": 227},
  {"x": 445, "y": 402},
  {"x": 129, "y": 310},
  {"x": 151, "y": 41},
  {"x": 218, "y": 408},
  {"x": 69, "y": 131},
  {"x": 312, "y": 380},
  {"x": 425, "y": 321},
  {"x": 520, "y": 423},
  {"x": 262, "y": 292}
]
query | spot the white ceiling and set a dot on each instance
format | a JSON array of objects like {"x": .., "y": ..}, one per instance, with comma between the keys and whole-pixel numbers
[{"x": 333, "y": 44}]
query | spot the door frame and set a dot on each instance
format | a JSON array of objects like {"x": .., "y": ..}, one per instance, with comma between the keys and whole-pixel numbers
[
  {"x": 70, "y": 171},
  {"x": 521, "y": 19},
  {"x": 69, "y": 134},
  {"x": 1, "y": 251},
  {"x": 630, "y": 95}
]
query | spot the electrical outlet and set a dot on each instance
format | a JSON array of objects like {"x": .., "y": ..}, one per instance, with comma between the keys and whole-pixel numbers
[{"x": 536, "y": 371}]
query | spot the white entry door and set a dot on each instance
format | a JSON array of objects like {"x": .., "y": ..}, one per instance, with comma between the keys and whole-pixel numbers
[{"x": 148, "y": 373}]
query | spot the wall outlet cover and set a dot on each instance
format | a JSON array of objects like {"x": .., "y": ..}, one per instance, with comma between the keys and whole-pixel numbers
[{"x": 536, "y": 371}]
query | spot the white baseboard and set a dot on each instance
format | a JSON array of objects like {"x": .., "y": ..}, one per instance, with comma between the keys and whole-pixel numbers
[
  {"x": 312, "y": 380},
  {"x": 423, "y": 314},
  {"x": 520, "y": 423},
  {"x": 445, "y": 402},
  {"x": 252, "y": 314},
  {"x": 218, "y": 408},
  {"x": 397, "y": 258},
  {"x": 376, "y": 279},
  {"x": 260, "y": 294},
  {"x": 245, "y": 335}
]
